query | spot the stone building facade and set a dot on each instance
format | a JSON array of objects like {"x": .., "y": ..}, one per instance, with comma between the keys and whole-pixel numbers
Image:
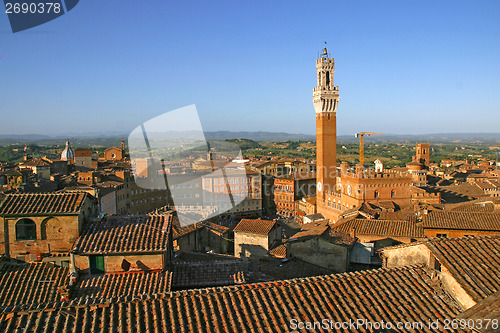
[
  {"x": 253, "y": 238},
  {"x": 83, "y": 158},
  {"x": 317, "y": 243},
  {"x": 34, "y": 226},
  {"x": 124, "y": 243}
]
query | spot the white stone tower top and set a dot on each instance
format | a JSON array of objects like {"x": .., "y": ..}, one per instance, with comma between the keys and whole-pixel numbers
[{"x": 325, "y": 94}]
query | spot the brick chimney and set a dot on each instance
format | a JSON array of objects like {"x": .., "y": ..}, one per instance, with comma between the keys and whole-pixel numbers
[{"x": 352, "y": 233}]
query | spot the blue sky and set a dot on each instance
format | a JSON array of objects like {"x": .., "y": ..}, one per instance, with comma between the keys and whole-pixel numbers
[{"x": 411, "y": 67}]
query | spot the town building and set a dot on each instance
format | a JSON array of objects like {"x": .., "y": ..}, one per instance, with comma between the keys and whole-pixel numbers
[
  {"x": 115, "y": 153},
  {"x": 319, "y": 244},
  {"x": 235, "y": 191},
  {"x": 290, "y": 188},
  {"x": 337, "y": 192},
  {"x": 38, "y": 166},
  {"x": 124, "y": 243},
  {"x": 422, "y": 154},
  {"x": 83, "y": 159},
  {"x": 444, "y": 224},
  {"x": 37, "y": 226},
  {"x": 57, "y": 166},
  {"x": 254, "y": 238},
  {"x": 467, "y": 268},
  {"x": 12, "y": 179}
]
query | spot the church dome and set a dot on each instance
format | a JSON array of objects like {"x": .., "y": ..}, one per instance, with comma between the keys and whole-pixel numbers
[
  {"x": 68, "y": 153},
  {"x": 415, "y": 166}
]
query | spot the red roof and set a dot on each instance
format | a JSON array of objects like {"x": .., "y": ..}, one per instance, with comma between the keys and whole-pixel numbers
[
  {"x": 461, "y": 220},
  {"x": 262, "y": 227},
  {"x": 123, "y": 284},
  {"x": 31, "y": 284},
  {"x": 125, "y": 234},
  {"x": 42, "y": 203},
  {"x": 391, "y": 295}
]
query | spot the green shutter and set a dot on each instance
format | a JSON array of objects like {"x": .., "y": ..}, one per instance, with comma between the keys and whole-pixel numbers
[{"x": 96, "y": 264}]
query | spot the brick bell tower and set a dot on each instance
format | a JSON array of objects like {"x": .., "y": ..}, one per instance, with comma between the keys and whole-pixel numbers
[{"x": 326, "y": 99}]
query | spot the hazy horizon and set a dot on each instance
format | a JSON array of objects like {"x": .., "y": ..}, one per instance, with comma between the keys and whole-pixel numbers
[{"x": 401, "y": 67}]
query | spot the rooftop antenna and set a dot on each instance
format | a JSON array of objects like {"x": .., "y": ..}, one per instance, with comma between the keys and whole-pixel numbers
[{"x": 496, "y": 164}]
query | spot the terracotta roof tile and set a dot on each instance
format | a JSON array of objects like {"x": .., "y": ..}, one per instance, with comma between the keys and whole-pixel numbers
[
  {"x": 125, "y": 234},
  {"x": 123, "y": 284},
  {"x": 203, "y": 274},
  {"x": 179, "y": 231},
  {"x": 279, "y": 250},
  {"x": 461, "y": 220},
  {"x": 31, "y": 283},
  {"x": 42, "y": 203},
  {"x": 262, "y": 227},
  {"x": 487, "y": 309},
  {"x": 474, "y": 261},
  {"x": 216, "y": 228},
  {"x": 381, "y": 228},
  {"x": 325, "y": 231},
  {"x": 35, "y": 163},
  {"x": 396, "y": 295},
  {"x": 480, "y": 205}
]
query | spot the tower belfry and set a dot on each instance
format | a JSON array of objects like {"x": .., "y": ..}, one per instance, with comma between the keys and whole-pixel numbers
[{"x": 325, "y": 99}]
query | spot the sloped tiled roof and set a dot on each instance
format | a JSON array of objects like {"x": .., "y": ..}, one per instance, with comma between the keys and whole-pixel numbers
[
  {"x": 474, "y": 261},
  {"x": 323, "y": 230},
  {"x": 203, "y": 274},
  {"x": 465, "y": 189},
  {"x": 261, "y": 227},
  {"x": 279, "y": 250},
  {"x": 179, "y": 231},
  {"x": 35, "y": 163},
  {"x": 486, "y": 310},
  {"x": 461, "y": 220},
  {"x": 216, "y": 228},
  {"x": 125, "y": 234},
  {"x": 396, "y": 295},
  {"x": 42, "y": 203},
  {"x": 389, "y": 228},
  {"x": 31, "y": 283},
  {"x": 123, "y": 284},
  {"x": 479, "y": 205}
]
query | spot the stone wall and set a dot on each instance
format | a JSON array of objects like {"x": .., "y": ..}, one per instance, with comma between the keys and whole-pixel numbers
[
  {"x": 407, "y": 255},
  {"x": 53, "y": 234},
  {"x": 119, "y": 263},
  {"x": 250, "y": 245},
  {"x": 321, "y": 253},
  {"x": 455, "y": 289}
]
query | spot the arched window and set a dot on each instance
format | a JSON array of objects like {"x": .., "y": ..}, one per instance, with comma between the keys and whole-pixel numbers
[
  {"x": 393, "y": 193},
  {"x": 375, "y": 194},
  {"x": 25, "y": 229},
  {"x": 51, "y": 228}
]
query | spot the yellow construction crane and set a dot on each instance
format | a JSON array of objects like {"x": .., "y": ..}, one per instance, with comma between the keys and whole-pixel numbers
[{"x": 361, "y": 145}]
